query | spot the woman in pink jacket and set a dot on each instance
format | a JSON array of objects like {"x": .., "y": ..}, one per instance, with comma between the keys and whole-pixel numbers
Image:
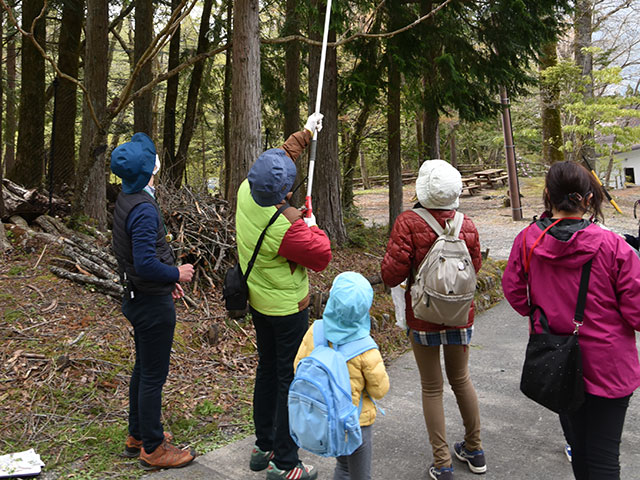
[{"x": 557, "y": 246}]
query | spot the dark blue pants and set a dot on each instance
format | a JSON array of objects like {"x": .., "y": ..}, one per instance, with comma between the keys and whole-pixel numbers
[
  {"x": 594, "y": 433},
  {"x": 278, "y": 341},
  {"x": 154, "y": 320}
]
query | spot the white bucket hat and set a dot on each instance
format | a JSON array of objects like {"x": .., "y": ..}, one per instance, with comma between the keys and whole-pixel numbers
[{"x": 439, "y": 185}]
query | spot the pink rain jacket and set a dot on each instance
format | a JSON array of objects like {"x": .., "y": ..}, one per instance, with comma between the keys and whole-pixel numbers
[{"x": 612, "y": 313}]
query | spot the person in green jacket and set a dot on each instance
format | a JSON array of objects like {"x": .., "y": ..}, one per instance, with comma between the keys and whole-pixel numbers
[{"x": 278, "y": 294}]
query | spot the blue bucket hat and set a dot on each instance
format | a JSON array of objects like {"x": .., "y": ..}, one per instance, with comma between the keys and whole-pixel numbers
[
  {"x": 134, "y": 162},
  {"x": 271, "y": 177},
  {"x": 346, "y": 316}
]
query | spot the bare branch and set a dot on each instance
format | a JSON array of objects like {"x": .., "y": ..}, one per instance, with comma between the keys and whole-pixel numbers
[{"x": 289, "y": 38}]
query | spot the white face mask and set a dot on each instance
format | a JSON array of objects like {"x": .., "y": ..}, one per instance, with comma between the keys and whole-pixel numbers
[{"x": 156, "y": 169}]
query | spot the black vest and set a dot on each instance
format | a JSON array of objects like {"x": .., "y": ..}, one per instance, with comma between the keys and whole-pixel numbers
[{"x": 123, "y": 249}]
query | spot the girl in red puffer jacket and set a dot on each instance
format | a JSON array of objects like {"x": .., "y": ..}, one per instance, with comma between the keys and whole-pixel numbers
[{"x": 438, "y": 188}]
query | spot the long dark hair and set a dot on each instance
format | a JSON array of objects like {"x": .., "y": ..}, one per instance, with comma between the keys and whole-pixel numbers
[{"x": 568, "y": 185}]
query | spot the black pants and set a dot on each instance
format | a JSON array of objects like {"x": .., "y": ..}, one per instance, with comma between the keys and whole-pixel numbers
[
  {"x": 278, "y": 341},
  {"x": 594, "y": 433},
  {"x": 154, "y": 320}
]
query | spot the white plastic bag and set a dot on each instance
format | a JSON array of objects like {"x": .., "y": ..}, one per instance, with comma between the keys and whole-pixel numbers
[{"x": 397, "y": 295}]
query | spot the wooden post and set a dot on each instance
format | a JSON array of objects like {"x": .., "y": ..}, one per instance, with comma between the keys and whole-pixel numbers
[{"x": 510, "y": 151}]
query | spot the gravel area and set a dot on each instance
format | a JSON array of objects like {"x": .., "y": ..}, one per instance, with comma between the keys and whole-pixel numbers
[{"x": 494, "y": 221}]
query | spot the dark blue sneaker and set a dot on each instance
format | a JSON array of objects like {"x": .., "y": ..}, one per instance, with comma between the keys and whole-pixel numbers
[
  {"x": 567, "y": 452},
  {"x": 475, "y": 460},
  {"x": 444, "y": 473}
]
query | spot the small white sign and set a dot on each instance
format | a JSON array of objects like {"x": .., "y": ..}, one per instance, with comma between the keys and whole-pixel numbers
[{"x": 20, "y": 464}]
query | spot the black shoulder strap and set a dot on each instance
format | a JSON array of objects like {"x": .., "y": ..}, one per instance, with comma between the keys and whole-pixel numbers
[
  {"x": 259, "y": 244},
  {"x": 582, "y": 293}
]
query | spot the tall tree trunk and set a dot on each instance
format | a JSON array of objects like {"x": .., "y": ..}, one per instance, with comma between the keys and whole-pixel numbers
[
  {"x": 292, "y": 89},
  {"x": 419, "y": 137},
  {"x": 363, "y": 171},
  {"x": 394, "y": 160},
  {"x": 171, "y": 99},
  {"x": 245, "y": 93},
  {"x": 142, "y": 106},
  {"x": 226, "y": 104},
  {"x": 29, "y": 165},
  {"x": 352, "y": 156},
  {"x": 583, "y": 16},
  {"x": 189, "y": 125},
  {"x": 10, "y": 133},
  {"x": 63, "y": 159},
  {"x": 431, "y": 133},
  {"x": 90, "y": 191},
  {"x": 327, "y": 202},
  {"x": 452, "y": 147},
  {"x": 292, "y": 71},
  {"x": 551, "y": 122}
]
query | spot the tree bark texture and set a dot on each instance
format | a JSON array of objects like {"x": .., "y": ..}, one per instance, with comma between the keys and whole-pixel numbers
[
  {"x": 245, "y": 94},
  {"x": 10, "y": 119},
  {"x": 352, "y": 156},
  {"x": 90, "y": 192},
  {"x": 171, "y": 100},
  {"x": 29, "y": 165},
  {"x": 292, "y": 71},
  {"x": 292, "y": 88},
  {"x": 327, "y": 201},
  {"x": 226, "y": 105},
  {"x": 552, "y": 139},
  {"x": 189, "y": 125},
  {"x": 143, "y": 105},
  {"x": 394, "y": 160},
  {"x": 63, "y": 159},
  {"x": 431, "y": 117},
  {"x": 583, "y": 16},
  {"x": 431, "y": 134}
]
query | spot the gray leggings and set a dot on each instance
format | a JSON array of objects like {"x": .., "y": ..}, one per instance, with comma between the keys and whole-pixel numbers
[{"x": 356, "y": 466}]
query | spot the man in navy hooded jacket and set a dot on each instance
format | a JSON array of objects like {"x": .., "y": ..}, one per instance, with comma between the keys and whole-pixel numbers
[{"x": 150, "y": 281}]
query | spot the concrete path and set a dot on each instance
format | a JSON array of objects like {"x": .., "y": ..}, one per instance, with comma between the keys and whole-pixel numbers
[{"x": 522, "y": 440}]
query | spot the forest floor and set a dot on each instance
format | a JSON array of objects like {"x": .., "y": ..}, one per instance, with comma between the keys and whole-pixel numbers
[{"x": 67, "y": 351}]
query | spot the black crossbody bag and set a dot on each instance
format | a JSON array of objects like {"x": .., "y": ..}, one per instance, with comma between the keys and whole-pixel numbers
[
  {"x": 552, "y": 370},
  {"x": 235, "y": 290}
]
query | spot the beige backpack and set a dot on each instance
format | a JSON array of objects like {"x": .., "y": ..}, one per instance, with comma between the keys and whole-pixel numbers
[{"x": 445, "y": 282}]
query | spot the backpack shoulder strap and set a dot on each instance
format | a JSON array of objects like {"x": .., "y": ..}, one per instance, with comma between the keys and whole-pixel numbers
[
  {"x": 355, "y": 348},
  {"x": 318, "y": 334},
  {"x": 431, "y": 221},
  {"x": 457, "y": 224}
]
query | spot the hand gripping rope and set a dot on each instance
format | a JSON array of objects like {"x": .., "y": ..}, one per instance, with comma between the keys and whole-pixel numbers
[{"x": 314, "y": 141}]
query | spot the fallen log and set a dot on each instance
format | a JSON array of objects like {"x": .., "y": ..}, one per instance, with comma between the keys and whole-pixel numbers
[
  {"x": 108, "y": 287},
  {"x": 29, "y": 203}
]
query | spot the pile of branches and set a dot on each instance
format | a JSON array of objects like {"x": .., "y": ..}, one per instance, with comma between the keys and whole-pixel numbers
[
  {"x": 203, "y": 232},
  {"x": 201, "y": 226}
]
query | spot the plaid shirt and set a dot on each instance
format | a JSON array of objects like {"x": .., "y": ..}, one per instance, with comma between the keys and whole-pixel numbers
[{"x": 452, "y": 336}]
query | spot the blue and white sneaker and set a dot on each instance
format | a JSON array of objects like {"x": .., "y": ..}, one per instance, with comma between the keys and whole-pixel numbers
[
  {"x": 567, "y": 452},
  {"x": 475, "y": 459},
  {"x": 443, "y": 473}
]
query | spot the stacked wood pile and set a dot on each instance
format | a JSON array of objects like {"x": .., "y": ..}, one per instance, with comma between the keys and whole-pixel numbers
[
  {"x": 203, "y": 234},
  {"x": 29, "y": 203}
]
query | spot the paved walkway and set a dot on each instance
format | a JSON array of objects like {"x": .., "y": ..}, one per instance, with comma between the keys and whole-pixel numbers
[{"x": 522, "y": 440}]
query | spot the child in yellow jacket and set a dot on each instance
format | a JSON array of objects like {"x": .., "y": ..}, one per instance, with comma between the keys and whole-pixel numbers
[{"x": 345, "y": 319}]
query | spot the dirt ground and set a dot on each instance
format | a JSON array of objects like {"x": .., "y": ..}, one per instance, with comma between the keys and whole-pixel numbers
[{"x": 494, "y": 221}]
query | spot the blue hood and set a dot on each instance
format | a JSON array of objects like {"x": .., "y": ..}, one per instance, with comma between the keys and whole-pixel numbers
[
  {"x": 134, "y": 162},
  {"x": 346, "y": 316}
]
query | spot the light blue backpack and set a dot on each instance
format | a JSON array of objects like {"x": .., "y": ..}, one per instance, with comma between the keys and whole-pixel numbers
[{"x": 322, "y": 418}]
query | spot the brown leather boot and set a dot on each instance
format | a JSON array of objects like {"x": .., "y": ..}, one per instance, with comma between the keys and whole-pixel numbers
[
  {"x": 166, "y": 456},
  {"x": 132, "y": 446}
]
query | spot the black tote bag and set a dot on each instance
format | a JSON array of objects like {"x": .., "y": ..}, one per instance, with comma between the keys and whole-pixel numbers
[{"x": 552, "y": 370}]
